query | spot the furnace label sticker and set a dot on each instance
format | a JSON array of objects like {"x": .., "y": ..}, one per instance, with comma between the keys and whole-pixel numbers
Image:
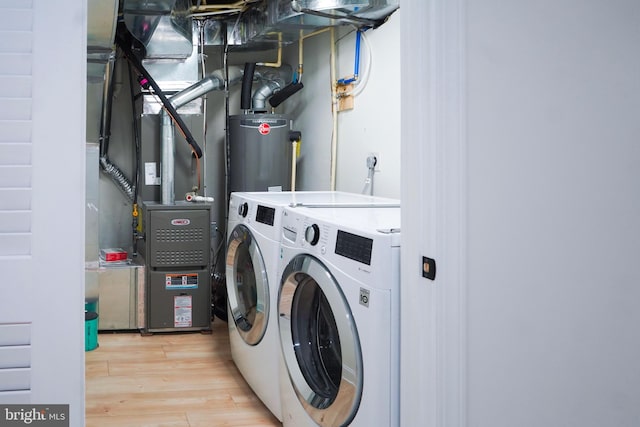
[
  {"x": 151, "y": 174},
  {"x": 182, "y": 311},
  {"x": 181, "y": 281}
]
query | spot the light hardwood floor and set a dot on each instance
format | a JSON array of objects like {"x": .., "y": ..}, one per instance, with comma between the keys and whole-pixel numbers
[{"x": 173, "y": 380}]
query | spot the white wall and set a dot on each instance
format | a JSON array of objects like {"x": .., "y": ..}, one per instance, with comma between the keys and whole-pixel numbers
[
  {"x": 373, "y": 126},
  {"x": 532, "y": 319}
]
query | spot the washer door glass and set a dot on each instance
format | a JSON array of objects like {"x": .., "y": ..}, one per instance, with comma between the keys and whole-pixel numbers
[
  {"x": 319, "y": 342},
  {"x": 247, "y": 286}
]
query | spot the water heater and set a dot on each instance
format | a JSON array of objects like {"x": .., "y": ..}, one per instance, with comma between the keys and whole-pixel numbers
[{"x": 259, "y": 152}]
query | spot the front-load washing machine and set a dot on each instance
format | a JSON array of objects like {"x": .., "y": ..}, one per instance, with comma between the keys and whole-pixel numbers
[
  {"x": 253, "y": 241},
  {"x": 339, "y": 317}
]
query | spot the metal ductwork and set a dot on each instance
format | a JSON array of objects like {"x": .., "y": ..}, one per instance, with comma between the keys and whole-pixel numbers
[
  {"x": 167, "y": 40},
  {"x": 264, "y": 92},
  {"x": 101, "y": 27},
  {"x": 214, "y": 81},
  {"x": 163, "y": 27},
  {"x": 370, "y": 13},
  {"x": 288, "y": 17}
]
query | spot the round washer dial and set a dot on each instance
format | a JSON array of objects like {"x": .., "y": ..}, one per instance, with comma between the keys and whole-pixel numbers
[
  {"x": 243, "y": 209},
  {"x": 312, "y": 234}
]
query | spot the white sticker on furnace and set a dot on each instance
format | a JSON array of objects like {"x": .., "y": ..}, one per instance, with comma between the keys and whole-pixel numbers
[
  {"x": 150, "y": 174},
  {"x": 183, "y": 311}
]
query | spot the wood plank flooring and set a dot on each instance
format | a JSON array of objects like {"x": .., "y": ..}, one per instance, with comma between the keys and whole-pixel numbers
[{"x": 172, "y": 380}]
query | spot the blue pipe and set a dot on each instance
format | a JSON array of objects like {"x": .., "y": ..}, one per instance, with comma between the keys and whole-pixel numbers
[{"x": 356, "y": 65}]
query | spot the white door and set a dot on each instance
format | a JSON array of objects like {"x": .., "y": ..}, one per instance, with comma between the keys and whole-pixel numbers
[
  {"x": 42, "y": 155},
  {"x": 520, "y": 178}
]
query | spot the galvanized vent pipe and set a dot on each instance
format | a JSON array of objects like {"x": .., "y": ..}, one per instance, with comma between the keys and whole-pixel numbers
[
  {"x": 214, "y": 81},
  {"x": 274, "y": 80}
]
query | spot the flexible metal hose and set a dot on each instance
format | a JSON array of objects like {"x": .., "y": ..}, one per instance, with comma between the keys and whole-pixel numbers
[{"x": 117, "y": 176}]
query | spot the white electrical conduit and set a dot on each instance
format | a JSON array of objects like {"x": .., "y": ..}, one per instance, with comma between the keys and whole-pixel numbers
[
  {"x": 294, "y": 151},
  {"x": 216, "y": 13},
  {"x": 334, "y": 111},
  {"x": 300, "y": 48},
  {"x": 300, "y": 55},
  {"x": 230, "y": 5},
  {"x": 334, "y": 104},
  {"x": 219, "y": 9},
  {"x": 278, "y": 62}
]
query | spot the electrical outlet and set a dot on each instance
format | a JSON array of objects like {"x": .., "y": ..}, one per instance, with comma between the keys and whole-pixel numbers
[{"x": 377, "y": 156}]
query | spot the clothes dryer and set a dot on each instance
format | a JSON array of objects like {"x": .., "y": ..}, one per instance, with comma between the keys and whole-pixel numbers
[
  {"x": 252, "y": 262},
  {"x": 339, "y": 317}
]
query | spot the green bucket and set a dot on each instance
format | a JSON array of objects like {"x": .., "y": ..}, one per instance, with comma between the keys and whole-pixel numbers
[
  {"x": 91, "y": 305},
  {"x": 90, "y": 330}
]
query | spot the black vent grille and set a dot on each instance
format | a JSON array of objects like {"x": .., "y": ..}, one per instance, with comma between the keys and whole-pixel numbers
[
  {"x": 180, "y": 258},
  {"x": 172, "y": 235}
]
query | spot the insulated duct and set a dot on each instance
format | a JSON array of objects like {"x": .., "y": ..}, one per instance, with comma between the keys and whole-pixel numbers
[
  {"x": 284, "y": 94},
  {"x": 247, "y": 82},
  {"x": 105, "y": 115}
]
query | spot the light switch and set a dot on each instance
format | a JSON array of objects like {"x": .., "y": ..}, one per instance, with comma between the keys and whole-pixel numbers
[{"x": 428, "y": 268}]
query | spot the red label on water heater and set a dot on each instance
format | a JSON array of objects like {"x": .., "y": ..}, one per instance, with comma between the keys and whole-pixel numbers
[{"x": 264, "y": 128}]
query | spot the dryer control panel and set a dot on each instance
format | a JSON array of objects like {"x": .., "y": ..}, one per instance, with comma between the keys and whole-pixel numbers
[
  {"x": 354, "y": 247},
  {"x": 312, "y": 235}
]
